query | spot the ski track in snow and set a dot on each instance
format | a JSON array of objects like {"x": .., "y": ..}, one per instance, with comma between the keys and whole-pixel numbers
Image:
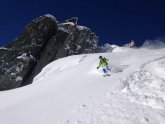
[
  {"x": 147, "y": 85},
  {"x": 112, "y": 109},
  {"x": 71, "y": 91}
]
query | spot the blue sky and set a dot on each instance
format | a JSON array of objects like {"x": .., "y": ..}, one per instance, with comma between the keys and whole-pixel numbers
[{"x": 114, "y": 21}]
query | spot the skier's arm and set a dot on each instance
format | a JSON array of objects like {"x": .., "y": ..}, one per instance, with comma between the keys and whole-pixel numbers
[{"x": 99, "y": 65}]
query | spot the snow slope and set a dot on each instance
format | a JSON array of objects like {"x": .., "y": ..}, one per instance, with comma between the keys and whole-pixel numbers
[{"x": 71, "y": 91}]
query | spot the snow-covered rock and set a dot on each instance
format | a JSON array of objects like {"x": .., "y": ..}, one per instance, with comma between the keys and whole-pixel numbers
[
  {"x": 107, "y": 48},
  {"x": 131, "y": 44},
  {"x": 19, "y": 78},
  {"x": 26, "y": 57},
  {"x": 51, "y": 17}
]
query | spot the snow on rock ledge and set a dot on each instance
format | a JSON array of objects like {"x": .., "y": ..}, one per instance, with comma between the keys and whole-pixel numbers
[
  {"x": 51, "y": 17},
  {"x": 26, "y": 57}
]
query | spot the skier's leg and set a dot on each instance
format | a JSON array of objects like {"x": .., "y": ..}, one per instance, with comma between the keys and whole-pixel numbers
[
  {"x": 107, "y": 70},
  {"x": 104, "y": 70}
]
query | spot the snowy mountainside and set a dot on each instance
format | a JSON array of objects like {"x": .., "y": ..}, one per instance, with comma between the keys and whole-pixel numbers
[
  {"x": 71, "y": 91},
  {"x": 112, "y": 48}
]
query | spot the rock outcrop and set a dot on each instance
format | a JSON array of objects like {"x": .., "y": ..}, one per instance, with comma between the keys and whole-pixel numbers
[
  {"x": 42, "y": 41},
  {"x": 131, "y": 44}
]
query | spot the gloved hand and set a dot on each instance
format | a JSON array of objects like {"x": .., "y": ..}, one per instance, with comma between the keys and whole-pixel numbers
[{"x": 97, "y": 67}]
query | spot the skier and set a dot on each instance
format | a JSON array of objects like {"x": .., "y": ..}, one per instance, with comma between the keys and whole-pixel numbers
[{"x": 104, "y": 66}]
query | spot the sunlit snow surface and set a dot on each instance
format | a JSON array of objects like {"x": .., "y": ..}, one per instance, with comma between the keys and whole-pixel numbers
[{"x": 71, "y": 91}]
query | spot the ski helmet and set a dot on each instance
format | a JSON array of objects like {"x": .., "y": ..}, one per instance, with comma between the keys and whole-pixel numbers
[{"x": 100, "y": 57}]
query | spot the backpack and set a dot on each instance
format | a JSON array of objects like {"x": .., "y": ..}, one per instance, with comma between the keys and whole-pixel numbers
[{"x": 105, "y": 60}]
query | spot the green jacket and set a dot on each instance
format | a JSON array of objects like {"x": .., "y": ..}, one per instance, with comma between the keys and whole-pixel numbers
[{"x": 103, "y": 62}]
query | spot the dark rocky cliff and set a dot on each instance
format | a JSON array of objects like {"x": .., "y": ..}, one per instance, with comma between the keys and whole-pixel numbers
[{"x": 42, "y": 41}]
